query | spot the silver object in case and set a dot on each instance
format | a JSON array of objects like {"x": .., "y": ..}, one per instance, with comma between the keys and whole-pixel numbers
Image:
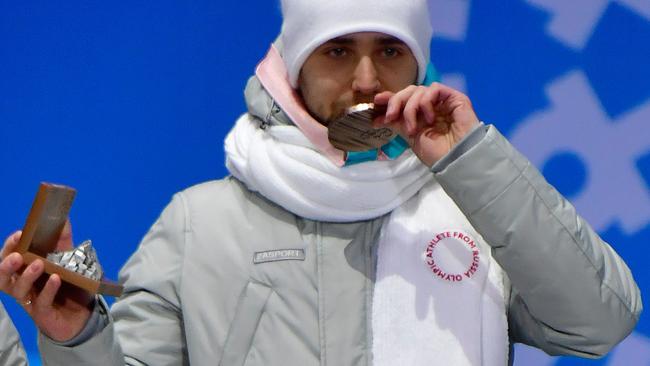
[{"x": 82, "y": 260}]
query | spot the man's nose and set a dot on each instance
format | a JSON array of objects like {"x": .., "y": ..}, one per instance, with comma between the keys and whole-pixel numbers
[{"x": 366, "y": 79}]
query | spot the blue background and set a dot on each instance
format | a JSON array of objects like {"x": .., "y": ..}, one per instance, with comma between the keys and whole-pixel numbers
[{"x": 129, "y": 102}]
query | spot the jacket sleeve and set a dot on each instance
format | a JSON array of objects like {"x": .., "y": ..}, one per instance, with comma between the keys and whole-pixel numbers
[
  {"x": 571, "y": 293},
  {"x": 12, "y": 352},
  {"x": 145, "y": 323}
]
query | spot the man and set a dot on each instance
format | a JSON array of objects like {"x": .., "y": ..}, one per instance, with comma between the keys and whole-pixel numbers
[{"x": 444, "y": 254}]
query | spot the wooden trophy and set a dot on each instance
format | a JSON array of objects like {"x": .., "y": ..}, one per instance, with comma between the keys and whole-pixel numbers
[{"x": 41, "y": 232}]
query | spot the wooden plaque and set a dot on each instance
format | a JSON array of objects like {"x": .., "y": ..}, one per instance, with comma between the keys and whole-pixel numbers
[{"x": 41, "y": 233}]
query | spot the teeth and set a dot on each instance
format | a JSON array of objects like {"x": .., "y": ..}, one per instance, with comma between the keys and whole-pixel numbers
[{"x": 82, "y": 260}]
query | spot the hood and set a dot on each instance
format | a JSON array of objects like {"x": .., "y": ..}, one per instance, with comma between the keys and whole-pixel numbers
[
  {"x": 270, "y": 98},
  {"x": 261, "y": 105}
]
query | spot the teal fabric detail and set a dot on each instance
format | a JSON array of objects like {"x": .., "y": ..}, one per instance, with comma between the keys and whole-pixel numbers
[
  {"x": 395, "y": 147},
  {"x": 356, "y": 157},
  {"x": 393, "y": 150},
  {"x": 431, "y": 76}
]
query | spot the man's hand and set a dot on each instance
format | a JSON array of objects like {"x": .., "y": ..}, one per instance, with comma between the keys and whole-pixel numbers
[
  {"x": 433, "y": 119},
  {"x": 59, "y": 310}
]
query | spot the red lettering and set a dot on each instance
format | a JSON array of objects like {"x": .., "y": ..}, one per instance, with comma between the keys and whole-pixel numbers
[{"x": 439, "y": 272}]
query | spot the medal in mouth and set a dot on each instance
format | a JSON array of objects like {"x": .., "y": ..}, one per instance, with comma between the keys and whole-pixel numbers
[{"x": 353, "y": 131}]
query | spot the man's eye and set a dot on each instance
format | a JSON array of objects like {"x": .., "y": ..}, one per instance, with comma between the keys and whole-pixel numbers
[
  {"x": 390, "y": 52},
  {"x": 337, "y": 52}
]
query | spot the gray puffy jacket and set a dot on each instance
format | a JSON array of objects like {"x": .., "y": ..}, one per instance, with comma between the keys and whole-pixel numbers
[
  {"x": 196, "y": 292},
  {"x": 12, "y": 352}
]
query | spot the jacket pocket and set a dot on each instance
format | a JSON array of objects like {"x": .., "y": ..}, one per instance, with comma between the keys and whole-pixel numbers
[{"x": 250, "y": 308}]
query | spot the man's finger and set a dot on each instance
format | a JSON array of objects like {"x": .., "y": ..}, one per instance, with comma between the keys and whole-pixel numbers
[
  {"x": 8, "y": 268},
  {"x": 383, "y": 98},
  {"x": 432, "y": 95},
  {"x": 25, "y": 282},
  {"x": 411, "y": 110},
  {"x": 427, "y": 108},
  {"x": 393, "y": 109},
  {"x": 11, "y": 243},
  {"x": 396, "y": 103},
  {"x": 48, "y": 293}
]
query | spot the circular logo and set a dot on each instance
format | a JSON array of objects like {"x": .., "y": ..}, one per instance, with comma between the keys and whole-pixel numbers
[{"x": 452, "y": 256}]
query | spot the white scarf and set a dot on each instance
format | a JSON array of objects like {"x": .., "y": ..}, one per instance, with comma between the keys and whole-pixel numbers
[
  {"x": 281, "y": 164},
  {"x": 437, "y": 283},
  {"x": 420, "y": 316}
]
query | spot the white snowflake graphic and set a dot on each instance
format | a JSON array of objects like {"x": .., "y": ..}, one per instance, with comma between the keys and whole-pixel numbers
[
  {"x": 450, "y": 19},
  {"x": 615, "y": 190},
  {"x": 574, "y": 21}
]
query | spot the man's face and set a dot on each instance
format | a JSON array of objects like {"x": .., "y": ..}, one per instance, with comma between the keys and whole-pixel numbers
[{"x": 351, "y": 69}]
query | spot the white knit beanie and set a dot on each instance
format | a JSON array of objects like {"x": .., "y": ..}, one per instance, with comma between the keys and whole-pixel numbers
[{"x": 309, "y": 23}]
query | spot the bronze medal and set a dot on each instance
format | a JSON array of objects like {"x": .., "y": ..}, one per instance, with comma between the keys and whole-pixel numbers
[{"x": 354, "y": 132}]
